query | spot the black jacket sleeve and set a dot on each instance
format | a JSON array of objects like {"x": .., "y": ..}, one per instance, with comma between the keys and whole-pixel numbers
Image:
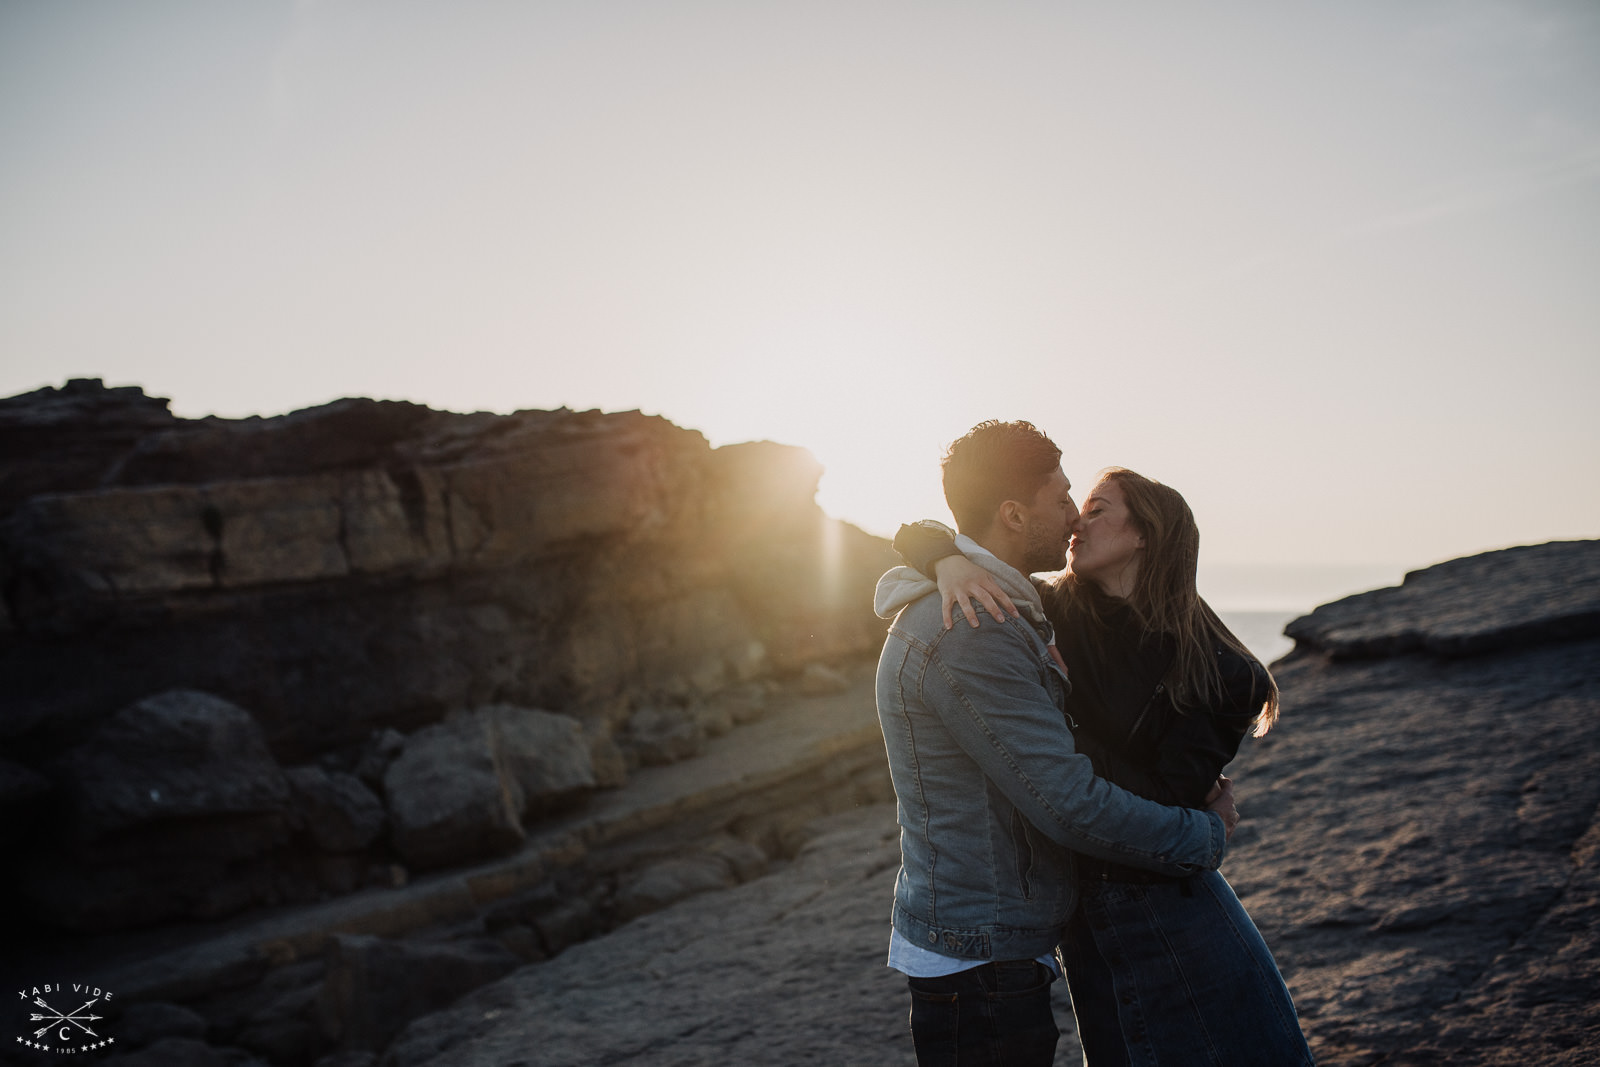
[
  {"x": 1187, "y": 749},
  {"x": 923, "y": 546}
]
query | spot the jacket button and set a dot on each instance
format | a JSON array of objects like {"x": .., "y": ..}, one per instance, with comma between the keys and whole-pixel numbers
[{"x": 933, "y": 938}]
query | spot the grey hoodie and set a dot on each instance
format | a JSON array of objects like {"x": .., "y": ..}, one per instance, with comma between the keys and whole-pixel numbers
[{"x": 906, "y": 585}]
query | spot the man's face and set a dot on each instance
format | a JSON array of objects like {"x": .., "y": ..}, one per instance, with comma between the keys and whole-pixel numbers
[{"x": 1047, "y": 526}]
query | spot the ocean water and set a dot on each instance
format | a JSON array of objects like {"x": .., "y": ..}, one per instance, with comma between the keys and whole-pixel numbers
[
  {"x": 1261, "y": 631},
  {"x": 1257, "y": 602}
]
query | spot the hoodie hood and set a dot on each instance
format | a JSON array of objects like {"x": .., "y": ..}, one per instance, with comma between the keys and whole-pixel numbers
[{"x": 906, "y": 585}]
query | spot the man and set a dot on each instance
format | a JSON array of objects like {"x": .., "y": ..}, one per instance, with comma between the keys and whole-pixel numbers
[{"x": 991, "y": 792}]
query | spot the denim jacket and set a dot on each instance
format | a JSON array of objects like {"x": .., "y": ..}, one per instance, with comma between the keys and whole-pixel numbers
[{"x": 991, "y": 793}]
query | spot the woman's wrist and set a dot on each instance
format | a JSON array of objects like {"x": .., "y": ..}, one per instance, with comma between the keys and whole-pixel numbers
[{"x": 923, "y": 544}]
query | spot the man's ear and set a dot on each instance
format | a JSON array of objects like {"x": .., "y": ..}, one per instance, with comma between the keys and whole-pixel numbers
[{"x": 1011, "y": 515}]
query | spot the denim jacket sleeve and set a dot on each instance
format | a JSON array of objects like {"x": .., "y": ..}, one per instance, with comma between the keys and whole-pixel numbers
[{"x": 986, "y": 687}]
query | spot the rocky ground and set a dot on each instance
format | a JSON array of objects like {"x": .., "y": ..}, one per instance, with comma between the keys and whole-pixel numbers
[
  {"x": 301, "y": 766},
  {"x": 1419, "y": 847}
]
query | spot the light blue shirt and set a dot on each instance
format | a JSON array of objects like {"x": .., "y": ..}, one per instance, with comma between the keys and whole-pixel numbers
[{"x": 914, "y": 961}]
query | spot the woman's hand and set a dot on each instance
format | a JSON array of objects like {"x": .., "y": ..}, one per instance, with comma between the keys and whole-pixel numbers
[{"x": 960, "y": 581}]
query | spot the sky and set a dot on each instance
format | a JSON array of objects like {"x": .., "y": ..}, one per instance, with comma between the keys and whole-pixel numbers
[{"x": 1330, "y": 269}]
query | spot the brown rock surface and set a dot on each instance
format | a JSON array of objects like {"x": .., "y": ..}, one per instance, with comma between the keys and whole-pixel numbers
[
  {"x": 374, "y": 564},
  {"x": 366, "y": 570}
]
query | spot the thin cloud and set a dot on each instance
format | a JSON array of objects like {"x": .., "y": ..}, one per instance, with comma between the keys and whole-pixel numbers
[{"x": 1485, "y": 192}]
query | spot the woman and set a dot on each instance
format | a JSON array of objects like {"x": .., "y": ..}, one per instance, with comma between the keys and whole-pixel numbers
[{"x": 1162, "y": 970}]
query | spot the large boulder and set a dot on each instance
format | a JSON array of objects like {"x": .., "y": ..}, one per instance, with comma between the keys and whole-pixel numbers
[
  {"x": 176, "y": 808},
  {"x": 179, "y": 755},
  {"x": 335, "y": 809},
  {"x": 451, "y": 796},
  {"x": 459, "y": 790},
  {"x": 548, "y": 755}
]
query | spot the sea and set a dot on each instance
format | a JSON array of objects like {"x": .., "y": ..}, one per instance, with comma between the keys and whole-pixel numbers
[{"x": 1257, "y": 602}]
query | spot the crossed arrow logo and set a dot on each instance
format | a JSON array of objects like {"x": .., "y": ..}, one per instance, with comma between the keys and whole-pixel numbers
[{"x": 76, "y": 1018}]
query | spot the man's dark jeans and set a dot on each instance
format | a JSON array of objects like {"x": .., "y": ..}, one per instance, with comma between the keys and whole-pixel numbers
[{"x": 997, "y": 1014}]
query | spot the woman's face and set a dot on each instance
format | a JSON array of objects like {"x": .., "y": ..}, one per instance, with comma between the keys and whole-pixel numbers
[{"x": 1105, "y": 545}]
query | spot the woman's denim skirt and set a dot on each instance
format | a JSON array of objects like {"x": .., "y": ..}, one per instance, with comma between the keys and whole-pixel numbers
[{"x": 1174, "y": 972}]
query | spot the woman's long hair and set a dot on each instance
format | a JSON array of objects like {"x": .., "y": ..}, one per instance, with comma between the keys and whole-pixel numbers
[{"x": 1164, "y": 596}]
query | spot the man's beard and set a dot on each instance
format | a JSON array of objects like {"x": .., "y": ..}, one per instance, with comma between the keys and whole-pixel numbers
[{"x": 1046, "y": 550}]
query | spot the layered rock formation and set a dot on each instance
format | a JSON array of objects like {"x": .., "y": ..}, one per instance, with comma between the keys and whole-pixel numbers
[{"x": 244, "y": 655}]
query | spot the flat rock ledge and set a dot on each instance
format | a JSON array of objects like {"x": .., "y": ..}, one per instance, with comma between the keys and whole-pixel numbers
[
  {"x": 1467, "y": 607},
  {"x": 1420, "y": 848}
]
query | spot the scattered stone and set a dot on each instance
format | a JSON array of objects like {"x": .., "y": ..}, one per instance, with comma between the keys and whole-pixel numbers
[
  {"x": 387, "y": 875},
  {"x": 180, "y": 1052},
  {"x": 525, "y": 943},
  {"x": 743, "y": 858},
  {"x": 145, "y": 1024},
  {"x": 380, "y": 750},
  {"x": 451, "y": 797},
  {"x": 375, "y": 986},
  {"x": 745, "y": 703},
  {"x": 606, "y": 757},
  {"x": 657, "y": 735},
  {"x": 280, "y": 1040},
  {"x": 565, "y": 925},
  {"x": 548, "y": 755},
  {"x": 670, "y": 881},
  {"x": 336, "y": 809}
]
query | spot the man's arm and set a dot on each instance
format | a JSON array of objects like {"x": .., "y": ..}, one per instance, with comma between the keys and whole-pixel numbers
[{"x": 984, "y": 685}]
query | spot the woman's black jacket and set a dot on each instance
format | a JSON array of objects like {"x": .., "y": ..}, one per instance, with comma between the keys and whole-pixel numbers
[{"x": 1125, "y": 719}]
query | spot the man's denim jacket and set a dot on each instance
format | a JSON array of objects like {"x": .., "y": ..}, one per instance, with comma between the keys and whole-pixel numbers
[{"x": 991, "y": 793}]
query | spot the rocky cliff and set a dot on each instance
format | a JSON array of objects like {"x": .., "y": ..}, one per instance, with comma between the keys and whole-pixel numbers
[
  {"x": 260, "y": 660},
  {"x": 558, "y": 849}
]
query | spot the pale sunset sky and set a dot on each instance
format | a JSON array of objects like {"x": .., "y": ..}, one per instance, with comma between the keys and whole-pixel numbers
[{"x": 1331, "y": 269}]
